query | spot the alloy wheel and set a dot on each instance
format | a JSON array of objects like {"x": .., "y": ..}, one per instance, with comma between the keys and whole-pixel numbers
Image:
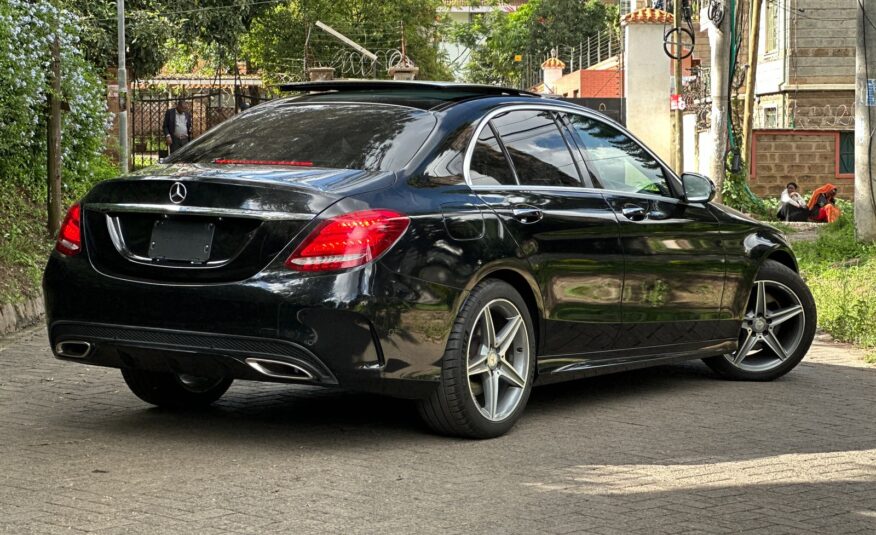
[
  {"x": 772, "y": 328},
  {"x": 498, "y": 360}
]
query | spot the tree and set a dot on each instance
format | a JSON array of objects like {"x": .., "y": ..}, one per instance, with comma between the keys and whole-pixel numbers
[
  {"x": 531, "y": 31},
  {"x": 283, "y": 40},
  {"x": 210, "y": 28}
]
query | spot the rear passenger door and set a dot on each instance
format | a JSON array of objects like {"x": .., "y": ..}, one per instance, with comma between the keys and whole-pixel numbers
[
  {"x": 524, "y": 168},
  {"x": 674, "y": 257}
]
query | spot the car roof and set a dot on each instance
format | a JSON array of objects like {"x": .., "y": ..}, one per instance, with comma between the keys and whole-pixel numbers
[{"x": 416, "y": 94}]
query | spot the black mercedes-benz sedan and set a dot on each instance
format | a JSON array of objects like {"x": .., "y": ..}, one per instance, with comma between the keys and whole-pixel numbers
[{"x": 452, "y": 244}]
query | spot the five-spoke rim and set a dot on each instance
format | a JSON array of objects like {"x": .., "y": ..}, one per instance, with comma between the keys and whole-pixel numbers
[
  {"x": 772, "y": 328},
  {"x": 497, "y": 360}
]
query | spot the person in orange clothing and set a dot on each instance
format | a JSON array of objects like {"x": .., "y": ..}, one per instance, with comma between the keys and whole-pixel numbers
[{"x": 822, "y": 205}]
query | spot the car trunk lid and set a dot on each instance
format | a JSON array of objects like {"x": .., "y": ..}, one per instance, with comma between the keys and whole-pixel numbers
[{"x": 205, "y": 223}]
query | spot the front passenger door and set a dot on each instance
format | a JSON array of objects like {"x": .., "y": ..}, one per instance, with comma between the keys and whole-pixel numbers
[{"x": 673, "y": 253}]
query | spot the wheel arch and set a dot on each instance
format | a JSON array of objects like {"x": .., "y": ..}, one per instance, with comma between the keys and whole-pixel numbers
[
  {"x": 525, "y": 285},
  {"x": 782, "y": 256}
]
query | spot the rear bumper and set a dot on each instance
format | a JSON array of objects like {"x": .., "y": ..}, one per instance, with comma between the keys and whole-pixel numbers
[{"x": 367, "y": 329}]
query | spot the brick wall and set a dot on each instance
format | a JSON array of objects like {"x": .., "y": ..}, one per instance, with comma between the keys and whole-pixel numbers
[{"x": 807, "y": 158}]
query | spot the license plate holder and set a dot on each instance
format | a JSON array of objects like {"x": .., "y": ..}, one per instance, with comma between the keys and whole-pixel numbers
[{"x": 181, "y": 241}]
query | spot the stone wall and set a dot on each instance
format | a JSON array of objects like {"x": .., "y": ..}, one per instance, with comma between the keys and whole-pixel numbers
[
  {"x": 807, "y": 158},
  {"x": 15, "y": 317}
]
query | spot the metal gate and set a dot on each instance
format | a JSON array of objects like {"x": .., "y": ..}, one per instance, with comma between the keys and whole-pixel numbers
[{"x": 148, "y": 143}]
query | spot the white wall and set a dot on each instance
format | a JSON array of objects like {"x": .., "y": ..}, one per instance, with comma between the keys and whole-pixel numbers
[
  {"x": 646, "y": 87},
  {"x": 690, "y": 138},
  {"x": 704, "y": 154}
]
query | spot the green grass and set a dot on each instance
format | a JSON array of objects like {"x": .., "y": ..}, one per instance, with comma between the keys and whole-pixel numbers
[
  {"x": 24, "y": 244},
  {"x": 842, "y": 276}
]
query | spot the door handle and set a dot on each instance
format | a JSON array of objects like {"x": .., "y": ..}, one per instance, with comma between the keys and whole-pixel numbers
[
  {"x": 527, "y": 214},
  {"x": 633, "y": 212}
]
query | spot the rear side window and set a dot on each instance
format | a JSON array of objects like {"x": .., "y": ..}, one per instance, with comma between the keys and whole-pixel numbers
[
  {"x": 342, "y": 136},
  {"x": 488, "y": 163},
  {"x": 617, "y": 160},
  {"x": 537, "y": 148}
]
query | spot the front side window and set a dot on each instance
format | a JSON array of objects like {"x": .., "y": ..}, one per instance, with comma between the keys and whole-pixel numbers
[
  {"x": 617, "y": 160},
  {"x": 340, "y": 136},
  {"x": 537, "y": 148}
]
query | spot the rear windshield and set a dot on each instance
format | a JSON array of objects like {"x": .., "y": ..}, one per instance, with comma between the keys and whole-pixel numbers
[{"x": 341, "y": 136}]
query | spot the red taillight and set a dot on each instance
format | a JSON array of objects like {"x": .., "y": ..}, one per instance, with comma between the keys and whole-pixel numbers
[
  {"x": 292, "y": 163},
  {"x": 70, "y": 236},
  {"x": 348, "y": 241}
]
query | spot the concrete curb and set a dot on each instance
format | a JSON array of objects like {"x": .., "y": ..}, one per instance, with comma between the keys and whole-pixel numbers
[{"x": 21, "y": 315}]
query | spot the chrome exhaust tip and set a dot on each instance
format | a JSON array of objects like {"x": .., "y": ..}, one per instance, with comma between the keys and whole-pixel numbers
[
  {"x": 74, "y": 349},
  {"x": 279, "y": 369}
]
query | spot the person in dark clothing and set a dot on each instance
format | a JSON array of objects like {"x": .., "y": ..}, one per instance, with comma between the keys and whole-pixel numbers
[
  {"x": 178, "y": 126},
  {"x": 793, "y": 205}
]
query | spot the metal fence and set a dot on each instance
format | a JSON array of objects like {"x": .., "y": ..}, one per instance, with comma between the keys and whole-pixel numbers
[
  {"x": 586, "y": 53},
  {"x": 208, "y": 108}
]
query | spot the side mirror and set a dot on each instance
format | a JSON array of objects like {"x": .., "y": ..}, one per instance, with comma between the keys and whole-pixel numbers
[{"x": 697, "y": 188}]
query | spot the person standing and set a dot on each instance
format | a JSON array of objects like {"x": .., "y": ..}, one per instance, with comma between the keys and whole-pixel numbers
[{"x": 178, "y": 126}]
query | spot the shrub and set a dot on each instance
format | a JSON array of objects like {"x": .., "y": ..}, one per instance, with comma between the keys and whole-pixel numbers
[{"x": 27, "y": 31}]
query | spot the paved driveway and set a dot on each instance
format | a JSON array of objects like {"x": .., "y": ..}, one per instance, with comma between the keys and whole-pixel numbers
[{"x": 665, "y": 450}]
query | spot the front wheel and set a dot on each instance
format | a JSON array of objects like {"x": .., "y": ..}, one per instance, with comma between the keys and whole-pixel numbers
[
  {"x": 175, "y": 391},
  {"x": 777, "y": 329},
  {"x": 488, "y": 366}
]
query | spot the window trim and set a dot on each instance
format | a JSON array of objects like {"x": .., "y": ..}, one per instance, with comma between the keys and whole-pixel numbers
[{"x": 672, "y": 178}]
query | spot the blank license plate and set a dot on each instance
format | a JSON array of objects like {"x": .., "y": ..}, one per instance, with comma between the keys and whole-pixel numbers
[{"x": 181, "y": 240}]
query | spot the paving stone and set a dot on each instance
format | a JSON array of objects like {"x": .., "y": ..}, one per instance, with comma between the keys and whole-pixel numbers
[{"x": 666, "y": 450}]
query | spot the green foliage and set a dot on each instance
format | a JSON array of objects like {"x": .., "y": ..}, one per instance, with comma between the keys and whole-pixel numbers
[
  {"x": 531, "y": 31},
  {"x": 27, "y": 30},
  {"x": 146, "y": 30},
  {"x": 736, "y": 194},
  {"x": 842, "y": 276},
  {"x": 276, "y": 41}
]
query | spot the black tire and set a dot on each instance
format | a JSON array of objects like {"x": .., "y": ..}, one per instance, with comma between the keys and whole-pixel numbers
[
  {"x": 171, "y": 391},
  {"x": 451, "y": 409},
  {"x": 775, "y": 272}
]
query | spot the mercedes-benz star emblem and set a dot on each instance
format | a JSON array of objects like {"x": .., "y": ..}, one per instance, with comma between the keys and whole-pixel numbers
[{"x": 177, "y": 192}]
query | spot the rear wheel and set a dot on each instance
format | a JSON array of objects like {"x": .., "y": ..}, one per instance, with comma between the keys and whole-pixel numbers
[
  {"x": 488, "y": 366},
  {"x": 777, "y": 329},
  {"x": 177, "y": 391}
]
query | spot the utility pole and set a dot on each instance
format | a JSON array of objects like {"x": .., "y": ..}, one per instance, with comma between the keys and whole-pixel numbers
[
  {"x": 677, "y": 115},
  {"x": 123, "y": 91},
  {"x": 753, "y": 43},
  {"x": 865, "y": 99},
  {"x": 53, "y": 139},
  {"x": 720, "y": 55}
]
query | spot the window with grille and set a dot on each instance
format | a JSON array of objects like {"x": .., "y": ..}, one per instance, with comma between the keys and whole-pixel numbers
[
  {"x": 771, "y": 26},
  {"x": 847, "y": 153}
]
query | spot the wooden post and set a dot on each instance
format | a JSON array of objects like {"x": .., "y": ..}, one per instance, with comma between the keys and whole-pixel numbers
[
  {"x": 53, "y": 152},
  {"x": 865, "y": 65},
  {"x": 677, "y": 122},
  {"x": 750, "y": 79},
  {"x": 720, "y": 52}
]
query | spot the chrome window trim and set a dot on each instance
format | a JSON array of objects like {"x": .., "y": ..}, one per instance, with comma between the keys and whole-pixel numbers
[
  {"x": 558, "y": 109},
  {"x": 196, "y": 210}
]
